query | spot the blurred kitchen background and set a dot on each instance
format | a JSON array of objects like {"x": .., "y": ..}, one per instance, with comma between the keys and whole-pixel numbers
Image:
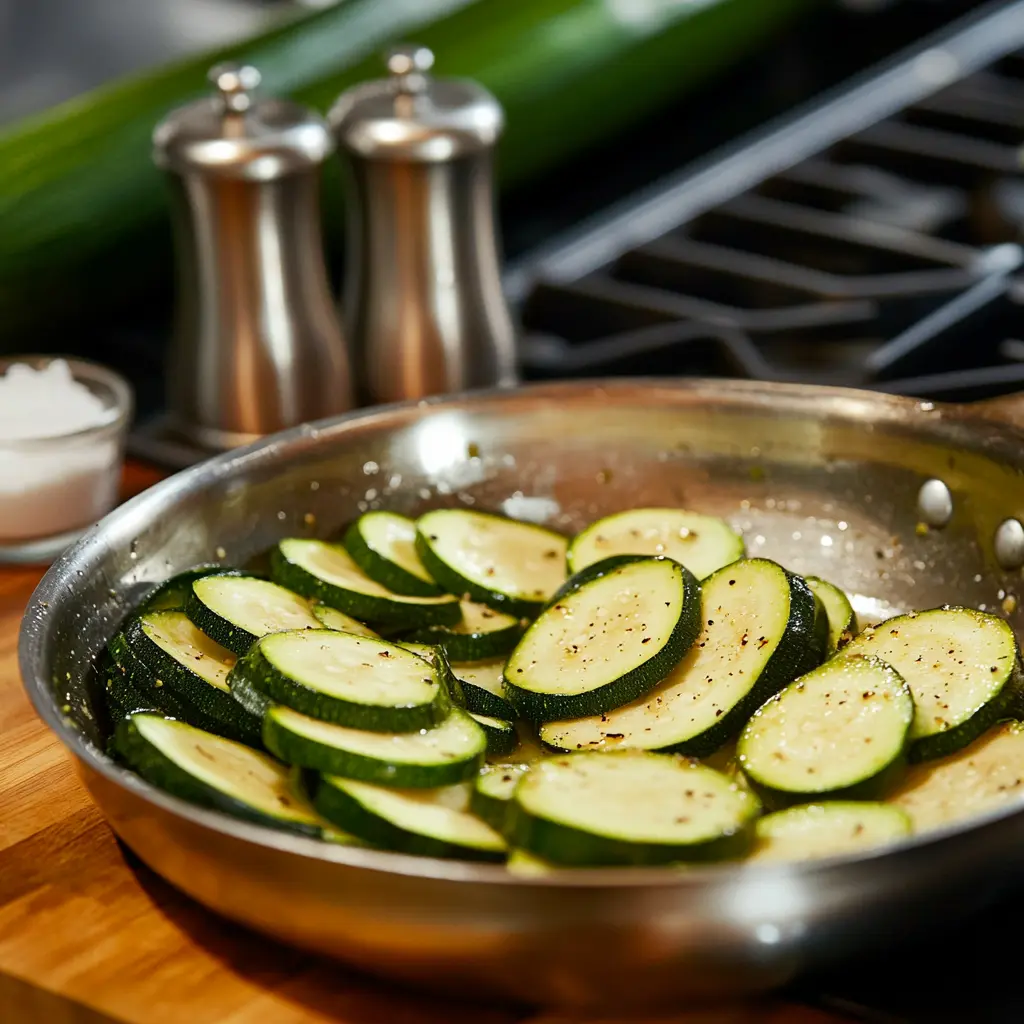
[{"x": 648, "y": 216}]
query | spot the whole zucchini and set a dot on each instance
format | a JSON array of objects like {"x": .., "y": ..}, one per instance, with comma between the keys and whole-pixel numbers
[{"x": 83, "y": 220}]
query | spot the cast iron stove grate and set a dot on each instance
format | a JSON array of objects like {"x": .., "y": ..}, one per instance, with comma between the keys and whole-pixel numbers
[{"x": 872, "y": 242}]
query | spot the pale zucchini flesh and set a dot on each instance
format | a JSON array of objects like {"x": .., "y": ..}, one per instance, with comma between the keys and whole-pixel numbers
[
  {"x": 383, "y": 545},
  {"x": 504, "y": 563},
  {"x": 236, "y": 610},
  {"x": 834, "y": 829},
  {"x": 630, "y": 807},
  {"x": 351, "y": 680},
  {"x": 492, "y": 794},
  {"x": 214, "y": 772},
  {"x": 963, "y": 669},
  {"x": 702, "y": 543},
  {"x": 431, "y": 823},
  {"x": 985, "y": 775},
  {"x": 757, "y": 623},
  {"x": 331, "y": 618},
  {"x": 839, "y": 731},
  {"x": 606, "y": 642},
  {"x": 502, "y": 738},
  {"x": 449, "y": 753},
  {"x": 842, "y": 619},
  {"x": 327, "y": 573},
  {"x": 175, "y": 634},
  {"x": 483, "y": 688},
  {"x": 482, "y": 633}
]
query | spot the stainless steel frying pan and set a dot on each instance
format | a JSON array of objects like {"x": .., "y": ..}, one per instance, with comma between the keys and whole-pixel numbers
[{"x": 827, "y": 481}]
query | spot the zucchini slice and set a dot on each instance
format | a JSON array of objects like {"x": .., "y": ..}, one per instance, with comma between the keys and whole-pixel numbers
[
  {"x": 842, "y": 619},
  {"x": 482, "y": 634},
  {"x": 383, "y": 545},
  {"x": 331, "y": 618},
  {"x": 327, "y": 573},
  {"x": 235, "y": 610},
  {"x": 502, "y": 737},
  {"x": 829, "y": 830},
  {"x": 190, "y": 665},
  {"x": 214, "y": 772},
  {"x": 451, "y": 752},
  {"x": 606, "y": 643},
  {"x": 172, "y": 594},
  {"x": 840, "y": 731},
  {"x": 504, "y": 563},
  {"x": 436, "y": 658},
  {"x": 702, "y": 543},
  {"x": 492, "y": 794},
  {"x": 526, "y": 865},
  {"x": 347, "y": 679},
  {"x": 630, "y": 808},
  {"x": 985, "y": 775},
  {"x": 962, "y": 666},
  {"x": 483, "y": 689},
  {"x": 758, "y": 622},
  {"x": 431, "y": 823}
]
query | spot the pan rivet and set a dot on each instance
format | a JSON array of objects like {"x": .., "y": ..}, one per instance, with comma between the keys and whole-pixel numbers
[
  {"x": 935, "y": 503},
  {"x": 1009, "y": 544}
]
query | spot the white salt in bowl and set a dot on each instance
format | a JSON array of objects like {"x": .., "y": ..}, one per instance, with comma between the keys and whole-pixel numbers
[{"x": 62, "y": 434}]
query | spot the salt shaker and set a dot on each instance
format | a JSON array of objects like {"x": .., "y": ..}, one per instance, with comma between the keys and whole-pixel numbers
[
  {"x": 424, "y": 307},
  {"x": 258, "y": 345}
]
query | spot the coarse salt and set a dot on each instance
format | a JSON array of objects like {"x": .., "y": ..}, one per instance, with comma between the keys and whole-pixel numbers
[{"x": 50, "y": 480}]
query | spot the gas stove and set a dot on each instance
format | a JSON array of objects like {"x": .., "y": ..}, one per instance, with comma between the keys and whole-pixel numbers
[{"x": 871, "y": 240}]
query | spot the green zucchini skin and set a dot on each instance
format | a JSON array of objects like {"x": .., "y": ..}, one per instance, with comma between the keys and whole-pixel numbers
[
  {"x": 300, "y": 750},
  {"x": 227, "y": 634},
  {"x": 92, "y": 154},
  {"x": 364, "y": 607},
  {"x": 817, "y": 648},
  {"x": 348, "y": 813},
  {"x": 497, "y": 810},
  {"x": 477, "y": 646},
  {"x": 383, "y": 570},
  {"x": 195, "y": 692},
  {"x": 435, "y": 656},
  {"x": 502, "y": 738},
  {"x": 158, "y": 770},
  {"x": 541, "y": 706},
  {"x": 171, "y": 595},
  {"x": 266, "y": 678},
  {"x": 842, "y": 619}
]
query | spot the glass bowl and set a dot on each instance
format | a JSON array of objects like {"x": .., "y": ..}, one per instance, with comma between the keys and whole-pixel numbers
[{"x": 53, "y": 488}]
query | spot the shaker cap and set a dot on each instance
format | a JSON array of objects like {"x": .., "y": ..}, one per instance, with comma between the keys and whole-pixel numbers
[
  {"x": 414, "y": 117},
  {"x": 234, "y": 134}
]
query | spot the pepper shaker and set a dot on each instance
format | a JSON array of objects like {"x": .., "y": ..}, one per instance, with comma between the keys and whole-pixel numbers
[
  {"x": 258, "y": 345},
  {"x": 424, "y": 307}
]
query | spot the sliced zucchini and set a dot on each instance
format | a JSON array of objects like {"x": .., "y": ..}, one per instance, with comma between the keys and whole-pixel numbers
[
  {"x": 606, "y": 643},
  {"x": 962, "y": 666},
  {"x": 451, "y": 752},
  {"x": 431, "y": 823},
  {"x": 483, "y": 689},
  {"x": 347, "y": 679},
  {"x": 482, "y": 634},
  {"x": 235, "y": 610},
  {"x": 702, "y": 543},
  {"x": 840, "y": 731},
  {"x": 502, "y": 738},
  {"x": 436, "y": 657},
  {"x": 758, "y": 622},
  {"x": 504, "y": 563},
  {"x": 383, "y": 545},
  {"x": 829, "y": 830},
  {"x": 191, "y": 666},
  {"x": 985, "y": 775},
  {"x": 327, "y": 573},
  {"x": 842, "y": 619},
  {"x": 331, "y": 618},
  {"x": 814, "y": 653},
  {"x": 630, "y": 808},
  {"x": 527, "y": 865},
  {"x": 492, "y": 794},
  {"x": 172, "y": 594},
  {"x": 214, "y": 772}
]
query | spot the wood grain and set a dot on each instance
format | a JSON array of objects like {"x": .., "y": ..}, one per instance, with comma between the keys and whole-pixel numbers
[{"x": 89, "y": 935}]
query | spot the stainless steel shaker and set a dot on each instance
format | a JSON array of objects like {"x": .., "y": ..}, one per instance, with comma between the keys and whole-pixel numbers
[
  {"x": 424, "y": 308},
  {"x": 258, "y": 345}
]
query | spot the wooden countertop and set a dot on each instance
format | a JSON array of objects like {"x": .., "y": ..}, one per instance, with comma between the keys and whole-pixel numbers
[{"x": 89, "y": 935}]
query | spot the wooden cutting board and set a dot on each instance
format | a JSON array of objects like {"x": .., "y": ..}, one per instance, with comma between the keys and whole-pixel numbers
[{"x": 89, "y": 935}]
